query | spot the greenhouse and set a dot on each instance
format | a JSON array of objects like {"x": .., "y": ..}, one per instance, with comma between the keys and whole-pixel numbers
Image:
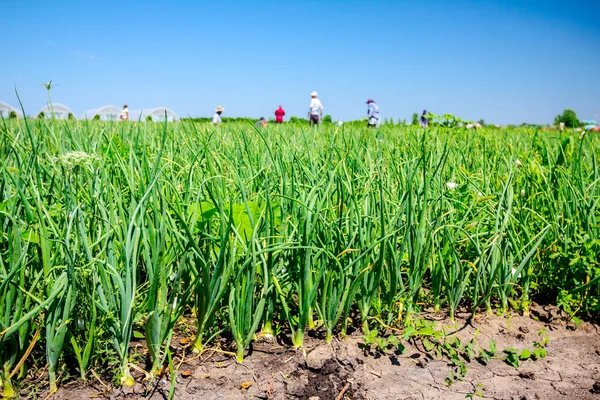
[
  {"x": 8, "y": 111},
  {"x": 154, "y": 114},
  {"x": 60, "y": 111},
  {"x": 106, "y": 113}
]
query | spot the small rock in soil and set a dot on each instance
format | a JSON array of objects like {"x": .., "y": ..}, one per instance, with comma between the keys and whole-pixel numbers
[
  {"x": 540, "y": 313},
  {"x": 422, "y": 363},
  {"x": 527, "y": 375},
  {"x": 554, "y": 312},
  {"x": 186, "y": 373},
  {"x": 316, "y": 358},
  {"x": 330, "y": 367},
  {"x": 295, "y": 387},
  {"x": 245, "y": 384}
]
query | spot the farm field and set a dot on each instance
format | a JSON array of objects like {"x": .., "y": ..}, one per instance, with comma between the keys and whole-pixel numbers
[{"x": 129, "y": 249}]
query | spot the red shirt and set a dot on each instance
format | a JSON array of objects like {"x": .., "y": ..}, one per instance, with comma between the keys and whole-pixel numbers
[{"x": 279, "y": 113}]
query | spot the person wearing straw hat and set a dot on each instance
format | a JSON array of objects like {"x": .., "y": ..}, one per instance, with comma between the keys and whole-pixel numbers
[
  {"x": 216, "y": 119},
  {"x": 315, "y": 112},
  {"x": 372, "y": 114}
]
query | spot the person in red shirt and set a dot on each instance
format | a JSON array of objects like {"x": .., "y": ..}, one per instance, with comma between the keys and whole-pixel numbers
[{"x": 279, "y": 113}]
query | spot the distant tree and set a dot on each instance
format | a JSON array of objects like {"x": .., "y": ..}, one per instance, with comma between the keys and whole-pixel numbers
[
  {"x": 71, "y": 117},
  {"x": 12, "y": 114},
  {"x": 415, "y": 119},
  {"x": 327, "y": 119},
  {"x": 569, "y": 118},
  {"x": 41, "y": 115},
  {"x": 96, "y": 118},
  {"x": 481, "y": 122},
  {"x": 149, "y": 118}
]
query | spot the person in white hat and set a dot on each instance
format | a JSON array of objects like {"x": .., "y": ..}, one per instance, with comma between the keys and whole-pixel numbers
[
  {"x": 216, "y": 119},
  {"x": 315, "y": 112}
]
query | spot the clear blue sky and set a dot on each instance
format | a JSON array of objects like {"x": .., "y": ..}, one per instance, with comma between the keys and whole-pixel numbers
[{"x": 505, "y": 61}]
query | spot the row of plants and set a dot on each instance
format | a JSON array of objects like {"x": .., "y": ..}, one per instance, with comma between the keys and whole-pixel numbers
[{"x": 108, "y": 226}]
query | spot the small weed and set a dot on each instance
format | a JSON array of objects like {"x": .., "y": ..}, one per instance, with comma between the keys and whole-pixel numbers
[
  {"x": 381, "y": 343},
  {"x": 478, "y": 393}
]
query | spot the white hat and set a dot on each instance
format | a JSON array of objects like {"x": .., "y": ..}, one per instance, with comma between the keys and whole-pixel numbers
[
  {"x": 313, "y": 94},
  {"x": 219, "y": 108}
]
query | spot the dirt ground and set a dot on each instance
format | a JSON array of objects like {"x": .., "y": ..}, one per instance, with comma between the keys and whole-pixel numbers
[{"x": 346, "y": 370}]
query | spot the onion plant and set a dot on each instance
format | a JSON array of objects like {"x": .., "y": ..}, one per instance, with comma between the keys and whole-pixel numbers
[{"x": 109, "y": 228}]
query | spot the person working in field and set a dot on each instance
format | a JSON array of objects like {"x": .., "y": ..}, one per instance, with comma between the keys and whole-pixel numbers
[
  {"x": 124, "y": 113},
  {"x": 372, "y": 114},
  {"x": 216, "y": 119},
  {"x": 262, "y": 122},
  {"x": 279, "y": 114},
  {"x": 424, "y": 121},
  {"x": 315, "y": 112}
]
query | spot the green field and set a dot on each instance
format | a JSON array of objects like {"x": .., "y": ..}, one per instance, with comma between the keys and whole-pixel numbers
[{"x": 111, "y": 230}]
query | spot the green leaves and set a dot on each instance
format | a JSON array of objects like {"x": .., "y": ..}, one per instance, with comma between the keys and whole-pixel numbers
[
  {"x": 428, "y": 345},
  {"x": 230, "y": 229},
  {"x": 512, "y": 357},
  {"x": 242, "y": 215},
  {"x": 525, "y": 355}
]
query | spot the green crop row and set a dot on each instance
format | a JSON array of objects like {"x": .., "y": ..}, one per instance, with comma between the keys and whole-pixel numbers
[{"x": 110, "y": 226}]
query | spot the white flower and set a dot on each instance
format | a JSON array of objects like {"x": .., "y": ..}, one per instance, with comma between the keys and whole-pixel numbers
[
  {"x": 518, "y": 162},
  {"x": 451, "y": 185},
  {"x": 522, "y": 192},
  {"x": 75, "y": 158}
]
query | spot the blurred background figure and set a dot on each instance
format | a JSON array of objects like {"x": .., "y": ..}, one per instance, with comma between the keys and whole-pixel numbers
[
  {"x": 315, "y": 111},
  {"x": 216, "y": 119},
  {"x": 124, "y": 113},
  {"x": 279, "y": 114},
  {"x": 372, "y": 114},
  {"x": 424, "y": 121},
  {"x": 261, "y": 123}
]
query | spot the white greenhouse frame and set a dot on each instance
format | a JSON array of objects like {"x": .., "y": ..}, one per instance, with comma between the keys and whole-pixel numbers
[
  {"x": 106, "y": 113},
  {"x": 6, "y": 109},
  {"x": 60, "y": 111},
  {"x": 155, "y": 114}
]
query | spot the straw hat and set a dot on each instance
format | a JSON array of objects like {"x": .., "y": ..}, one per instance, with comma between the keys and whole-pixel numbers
[
  {"x": 313, "y": 94},
  {"x": 219, "y": 108}
]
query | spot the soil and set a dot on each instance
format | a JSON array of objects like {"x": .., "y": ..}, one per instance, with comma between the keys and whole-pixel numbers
[{"x": 347, "y": 370}]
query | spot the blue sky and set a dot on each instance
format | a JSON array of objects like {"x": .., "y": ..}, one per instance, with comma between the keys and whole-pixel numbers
[{"x": 504, "y": 61}]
